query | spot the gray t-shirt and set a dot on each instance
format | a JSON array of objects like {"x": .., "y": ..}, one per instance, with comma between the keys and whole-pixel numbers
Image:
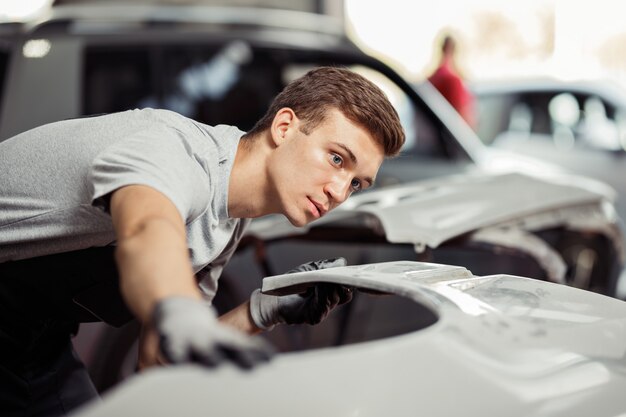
[{"x": 54, "y": 180}]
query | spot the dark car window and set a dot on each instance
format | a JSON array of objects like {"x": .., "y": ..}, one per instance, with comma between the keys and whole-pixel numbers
[
  {"x": 5, "y": 55},
  {"x": 230, "y": 83},
  {"x": 227, "y": 85},
  {"x": 117, "y": 79}
]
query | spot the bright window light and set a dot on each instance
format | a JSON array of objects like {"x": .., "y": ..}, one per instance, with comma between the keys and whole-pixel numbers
[
  {"x": 16, "y": 10},
  {"x": 498, "y": 39},
  {"x": 36, "y": 48}
]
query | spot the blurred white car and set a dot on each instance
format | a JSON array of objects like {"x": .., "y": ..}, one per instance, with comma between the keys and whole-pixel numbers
[
  {"x": 579, "y": 126},
  {"x": 418, "y": 339}
]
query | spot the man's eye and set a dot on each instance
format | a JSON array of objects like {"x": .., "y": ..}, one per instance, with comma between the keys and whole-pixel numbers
[
  {"x": 356, "y": 185},
  {"x": 336, "y": 159}
]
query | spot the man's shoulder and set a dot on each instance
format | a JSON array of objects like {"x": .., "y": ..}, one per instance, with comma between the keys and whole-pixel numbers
[{"x": 225, "y": 132}]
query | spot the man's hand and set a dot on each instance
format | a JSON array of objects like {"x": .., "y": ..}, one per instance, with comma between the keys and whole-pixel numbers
[
  {"x": 310, "y": 307},
  {"x": 189, "y": 332}
]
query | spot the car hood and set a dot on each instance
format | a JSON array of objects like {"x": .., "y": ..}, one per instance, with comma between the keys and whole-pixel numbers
[
  {"x": 502, "y": 345},
  {"x": 432, "y": 212}
]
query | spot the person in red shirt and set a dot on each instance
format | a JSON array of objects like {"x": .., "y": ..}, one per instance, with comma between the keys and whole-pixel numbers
[{"x": 450, "y": 84}]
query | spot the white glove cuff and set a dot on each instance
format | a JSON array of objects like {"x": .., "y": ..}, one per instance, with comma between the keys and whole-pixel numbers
[
  {"x": 259, "y": 311},
  {"x": 173, "y": 307}
]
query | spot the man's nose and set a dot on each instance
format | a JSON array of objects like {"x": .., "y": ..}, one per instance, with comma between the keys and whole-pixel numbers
[{"x": 338, "y": 190}]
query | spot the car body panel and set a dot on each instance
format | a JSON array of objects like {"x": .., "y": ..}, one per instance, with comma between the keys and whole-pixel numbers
[
  {"x": 431, "y": 212},
  {"x": 502, "y": 345}
]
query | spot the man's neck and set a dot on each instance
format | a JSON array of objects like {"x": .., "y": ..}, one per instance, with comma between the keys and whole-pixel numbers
[{"x": 249, "y": 193}]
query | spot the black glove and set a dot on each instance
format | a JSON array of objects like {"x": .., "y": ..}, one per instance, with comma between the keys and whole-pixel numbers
[
  {"x": 190, "y": 332},
  {"x": 311, "y": 307}
]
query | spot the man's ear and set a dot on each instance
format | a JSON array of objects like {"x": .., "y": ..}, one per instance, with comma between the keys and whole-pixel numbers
[{"x": 284, "y": 122}]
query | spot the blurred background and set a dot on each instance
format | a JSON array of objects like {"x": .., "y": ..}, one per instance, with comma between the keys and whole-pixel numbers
[{"x": 566, "y": 39}]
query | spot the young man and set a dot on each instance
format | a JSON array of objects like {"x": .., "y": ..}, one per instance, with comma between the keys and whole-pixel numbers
[{"x": 170, "y": 198}]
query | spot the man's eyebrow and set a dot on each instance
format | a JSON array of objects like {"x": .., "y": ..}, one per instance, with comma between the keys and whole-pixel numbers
[
  {"x": 354, "y": 160},
  {"x": 348, "y": 151}
]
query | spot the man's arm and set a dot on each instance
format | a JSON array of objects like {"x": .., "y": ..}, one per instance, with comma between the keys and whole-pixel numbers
[
  {"x": 152, "y": 254},
  {"x": 240, "y": 318},
  {"x": 158, "y": 285}
]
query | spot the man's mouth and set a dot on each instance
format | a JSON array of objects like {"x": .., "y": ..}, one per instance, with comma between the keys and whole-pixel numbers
[{"x": 317, "y": 209}]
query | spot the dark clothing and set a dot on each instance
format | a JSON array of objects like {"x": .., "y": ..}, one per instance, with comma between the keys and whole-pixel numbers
[
  {"x": 40, "y": 373},
  {"x": 49, "y": 380}
]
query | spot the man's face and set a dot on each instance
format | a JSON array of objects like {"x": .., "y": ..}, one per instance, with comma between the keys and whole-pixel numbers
[{"x": 312, "y": 174}]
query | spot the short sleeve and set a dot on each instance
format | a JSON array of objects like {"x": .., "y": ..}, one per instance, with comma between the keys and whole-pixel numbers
[
  {"x": 210, "y": 274},
  {"x": 158, "y": 158}
]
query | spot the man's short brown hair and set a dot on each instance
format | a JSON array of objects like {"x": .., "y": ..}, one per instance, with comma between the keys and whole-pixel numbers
[{"x": 360, "y": 100}]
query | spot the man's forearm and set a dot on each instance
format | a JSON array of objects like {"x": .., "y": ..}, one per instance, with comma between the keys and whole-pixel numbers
[
  {"x": 157, "y": 282},
  {"x": 152, "y": 255},
  {"x": 240, "y": 318},
  {"x": 154, "y": 264}
]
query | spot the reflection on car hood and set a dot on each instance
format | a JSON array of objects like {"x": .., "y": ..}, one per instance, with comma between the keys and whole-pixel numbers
[
  {"x": 432, "y": 212},
  {"x": 502, "y": 346}
]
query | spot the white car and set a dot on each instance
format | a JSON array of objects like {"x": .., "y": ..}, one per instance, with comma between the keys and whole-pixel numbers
[{"x": 418, "y": 339}]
